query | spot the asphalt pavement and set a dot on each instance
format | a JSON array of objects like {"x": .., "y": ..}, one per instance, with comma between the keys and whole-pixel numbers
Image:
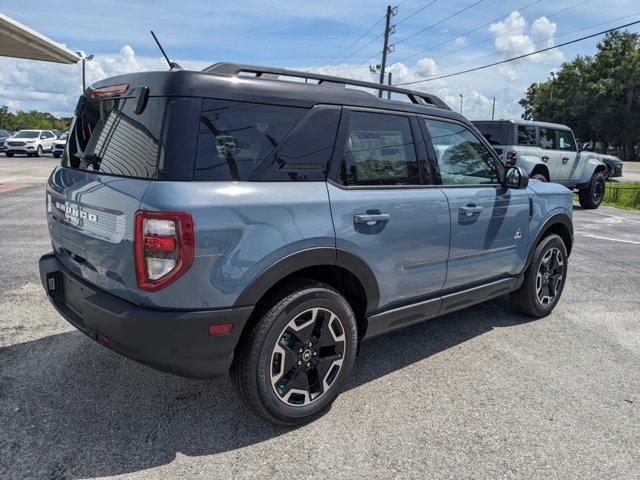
[{"x": 482, "y": 393}]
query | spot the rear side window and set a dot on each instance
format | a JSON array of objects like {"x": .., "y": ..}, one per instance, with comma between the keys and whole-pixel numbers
[
  {"x": 496, "y": 133},
  {"x": 527, "y": 135},
  {"x": 108, "y": 137},
  {"x": 236, "y": 138},
  {"x": 379, "y": 150},
  {"x": 547, "y": 138}
]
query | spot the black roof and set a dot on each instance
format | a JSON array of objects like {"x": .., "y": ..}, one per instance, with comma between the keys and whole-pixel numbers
[{"x": 266, "y": 85}]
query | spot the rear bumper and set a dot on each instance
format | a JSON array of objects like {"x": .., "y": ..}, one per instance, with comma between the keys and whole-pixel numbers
[{"x": 171, "y": 341}]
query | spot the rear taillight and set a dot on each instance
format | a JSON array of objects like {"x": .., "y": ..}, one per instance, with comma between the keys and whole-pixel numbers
[
  {"x": 163, "y": 248},
  {"x": 511, "y": 159},
  {"x": 110, "y": 90}
]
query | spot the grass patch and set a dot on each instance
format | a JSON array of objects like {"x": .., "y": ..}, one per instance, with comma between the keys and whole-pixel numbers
[{"x": 621, "y": 195}]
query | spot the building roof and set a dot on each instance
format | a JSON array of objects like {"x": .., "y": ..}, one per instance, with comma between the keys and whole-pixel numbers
[{"x": 20, "y": 41}]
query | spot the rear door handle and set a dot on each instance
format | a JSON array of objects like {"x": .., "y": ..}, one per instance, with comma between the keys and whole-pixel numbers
[
  {"x": 371, "y": 218},
  {"x": 470, "y": 210},
  {"x": 545, "y": 159},
  {"x": 565, "y": 160}
]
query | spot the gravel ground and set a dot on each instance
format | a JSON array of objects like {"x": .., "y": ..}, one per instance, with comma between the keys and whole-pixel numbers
[{"x": 482, "y": 393}]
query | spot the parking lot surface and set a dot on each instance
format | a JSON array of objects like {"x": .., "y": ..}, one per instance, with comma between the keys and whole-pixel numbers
[{"x": 482, "y": 393}]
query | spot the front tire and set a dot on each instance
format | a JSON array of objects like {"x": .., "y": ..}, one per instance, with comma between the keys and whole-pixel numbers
[
  {"x": 591, "y": 197},
  {"x": 299, "y": 356},
  {"x": 39, "y": 151},
  {"x": 9, "y": 154},
  {"x": 544, "y": 279}
]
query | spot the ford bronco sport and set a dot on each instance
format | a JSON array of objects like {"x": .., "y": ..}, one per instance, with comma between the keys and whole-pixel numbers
[
  {"x": 265, "y": 222},
  {"x": 549, "y": 152}
]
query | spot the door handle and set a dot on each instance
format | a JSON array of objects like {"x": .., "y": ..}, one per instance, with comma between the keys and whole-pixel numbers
[
  {"x": 565, "y": 160},
  {"x": 371, "y": 218},
  {"x": 545, "y": 159},
  {"x": 470, "y": 210}
]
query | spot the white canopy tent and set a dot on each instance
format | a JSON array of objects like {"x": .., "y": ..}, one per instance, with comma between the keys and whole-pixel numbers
[{"x": 19, "y": 41}]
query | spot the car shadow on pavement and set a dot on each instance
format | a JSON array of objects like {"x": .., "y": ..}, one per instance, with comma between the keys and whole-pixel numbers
[{"x": 72, "y": 409}]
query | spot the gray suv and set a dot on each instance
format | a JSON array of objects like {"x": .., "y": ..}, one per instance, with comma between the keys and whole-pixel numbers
[{"x": 265, "y": 222}]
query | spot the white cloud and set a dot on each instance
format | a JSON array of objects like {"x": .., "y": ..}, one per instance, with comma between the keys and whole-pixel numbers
[
  {"x": 511, "y": 38},
  {"x": 427, "y": 67},
  {"x": 509, "y": 73},
  {"x": 461, "y": 41}
]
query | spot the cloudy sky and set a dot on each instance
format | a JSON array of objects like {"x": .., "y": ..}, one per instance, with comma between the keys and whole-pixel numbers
[{"x": 431, "y": 38}]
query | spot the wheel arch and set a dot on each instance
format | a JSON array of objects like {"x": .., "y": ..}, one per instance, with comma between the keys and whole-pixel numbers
[
  {"x": 559, "y": 224},
  {"x": 541, "y": 169}
]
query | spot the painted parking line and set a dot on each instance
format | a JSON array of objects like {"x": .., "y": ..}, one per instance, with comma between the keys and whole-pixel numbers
[{"x": 620, "y": 240}]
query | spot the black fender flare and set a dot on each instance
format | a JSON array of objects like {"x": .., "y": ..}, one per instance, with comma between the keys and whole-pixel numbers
[
  {"x": 559, "y": 217},
  {"x": 312, "y": 257}
]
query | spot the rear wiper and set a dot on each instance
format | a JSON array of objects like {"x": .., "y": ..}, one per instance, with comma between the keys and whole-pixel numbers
[{"x": 90, "y": 160}]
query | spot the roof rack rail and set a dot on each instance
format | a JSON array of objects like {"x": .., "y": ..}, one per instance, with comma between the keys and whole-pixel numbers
[{"x": 227, "y": 68}]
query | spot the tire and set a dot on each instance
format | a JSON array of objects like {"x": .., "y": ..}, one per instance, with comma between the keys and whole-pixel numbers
[
  {"x": 608, "y": 174},
  {"x": 38, "y": 151},
  {"x": 57, "y": 155},
  {"x": 539, "y": 176},
  {"x": 271, "y": 356},
  {"x": 529, "y": 299},
  {"x": 591, "y": 197},
  {"x": 9, "y": 154}
]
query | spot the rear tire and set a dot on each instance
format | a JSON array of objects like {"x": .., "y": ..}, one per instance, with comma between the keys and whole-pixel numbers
[
  {"x": 539, "y": 176},
  {"x": 544, "y": 279},
  {"x": 299, "y": 356},
  {"x": 591, "y": 197}
]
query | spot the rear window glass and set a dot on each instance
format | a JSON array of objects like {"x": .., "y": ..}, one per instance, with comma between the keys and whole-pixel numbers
[
  {"x": 236, "y": 139},
  {"x": 527, "y": 135},
  {"x": 108, "y": 137},
  {"x": 496, "y": 133}
]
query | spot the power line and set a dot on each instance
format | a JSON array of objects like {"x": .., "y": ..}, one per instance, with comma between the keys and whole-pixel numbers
[
  {"x": 453, "y": 39},
  {"x": 521, "y": 56},
  {"x": 466, "y": 47},
  {"x": 416, "y": 12},
  {"x": 553, "y": 37},
  {"x": 439, "y": 22},
  {"x": 353, "y": 43}
]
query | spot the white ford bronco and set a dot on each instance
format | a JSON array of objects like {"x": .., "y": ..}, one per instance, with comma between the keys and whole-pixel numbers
[{"x": 548, "y": 152}]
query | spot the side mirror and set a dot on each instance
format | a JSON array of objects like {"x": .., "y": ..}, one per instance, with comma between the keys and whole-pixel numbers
[{"x": 516, "y": 177}]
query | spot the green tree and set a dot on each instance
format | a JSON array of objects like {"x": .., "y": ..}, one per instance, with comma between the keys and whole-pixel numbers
[
  {"x": 33, "y": 119},
  {"x": 596, "y": 96}
]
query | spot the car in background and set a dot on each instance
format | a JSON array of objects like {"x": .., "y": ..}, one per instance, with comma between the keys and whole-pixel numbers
[
  {"x": 32, "y": 143},
  {"x": 613, "y": 164},
  {"x": 59, "y": 144},
  {"x": 57, "y": 133},
  {"x": 3, "y": 136},
  {"x": 548, "y": 152}
]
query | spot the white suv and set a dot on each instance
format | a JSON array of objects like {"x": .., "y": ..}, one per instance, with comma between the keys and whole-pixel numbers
[{"x": 32, "y": 143}]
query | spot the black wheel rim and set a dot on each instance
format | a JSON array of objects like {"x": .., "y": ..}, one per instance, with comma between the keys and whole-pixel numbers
[
  {"x": 550, "y": 276},
  {"x": 307, "y": 357},
  {"x": 598, "y": 190}
]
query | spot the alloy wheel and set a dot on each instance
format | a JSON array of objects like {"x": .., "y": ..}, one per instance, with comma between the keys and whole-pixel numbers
[
  {"x": 550, "y": 276},
  {"x": 307, "y": 357}
]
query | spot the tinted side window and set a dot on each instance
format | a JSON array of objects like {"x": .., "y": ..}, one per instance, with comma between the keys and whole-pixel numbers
[
  {"x": 565, "y": 140},
  {"x": 379, "y": 150},
  {"x": 527, "y": 135},
  {"x": 305, "y": 153},
  {"x": 462, "y": 157},
  {"x": 547, "y": 139},
  {"x": 236, "y": 137}
]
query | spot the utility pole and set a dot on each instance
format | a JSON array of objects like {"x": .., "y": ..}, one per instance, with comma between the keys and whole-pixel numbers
[
  {"x": 385, "y": 49},
  {"x": 493, "y": 109},
  {"x": 461, "y": 97},
  {"x": 389, "y": 82}
]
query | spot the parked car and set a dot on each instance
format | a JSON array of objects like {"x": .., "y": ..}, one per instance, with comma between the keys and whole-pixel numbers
[
  {"x": 231, "y": 220},
  {"x": 548, "y": 152},
  {"x": 32, "y": 143},
  {"x": 59, "y": 144},
  {"x": 57, "y": 133},
  {"x": 3, "y": 136}
]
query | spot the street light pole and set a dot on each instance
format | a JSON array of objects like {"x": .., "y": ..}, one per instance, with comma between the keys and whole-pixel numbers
[
  {"x": 461, "y": 97},
  {"x": 85, "y": 59}
]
